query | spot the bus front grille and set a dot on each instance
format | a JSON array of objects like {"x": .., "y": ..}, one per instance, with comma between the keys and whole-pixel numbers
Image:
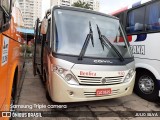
[
  {"x": 93, "y": 94},
  {"x": 100, "y": 81}
]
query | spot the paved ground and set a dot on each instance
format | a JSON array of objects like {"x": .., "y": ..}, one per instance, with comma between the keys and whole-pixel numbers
[{"x": 33, "y": 92}]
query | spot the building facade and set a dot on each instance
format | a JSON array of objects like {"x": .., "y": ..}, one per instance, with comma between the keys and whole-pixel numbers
[
  {"x": 18, "y": 19},
  {"x": 94, "y": 3},
  {"x": 31, "y": 10}
]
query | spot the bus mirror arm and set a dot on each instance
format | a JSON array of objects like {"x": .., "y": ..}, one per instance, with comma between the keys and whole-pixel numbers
[{"x": 44, "y": 26}]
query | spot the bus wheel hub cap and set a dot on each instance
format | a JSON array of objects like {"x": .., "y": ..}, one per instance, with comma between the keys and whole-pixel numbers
[{"x": 146, "y": 84}]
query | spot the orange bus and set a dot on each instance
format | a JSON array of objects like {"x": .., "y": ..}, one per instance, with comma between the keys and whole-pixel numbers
[{"x": 12, "y": 54}]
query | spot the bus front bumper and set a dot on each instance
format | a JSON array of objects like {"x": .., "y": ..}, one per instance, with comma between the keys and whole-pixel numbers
[{"x": 61, "y": 91}]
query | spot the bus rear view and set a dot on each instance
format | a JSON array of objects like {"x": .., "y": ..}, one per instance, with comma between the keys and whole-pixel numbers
[{"x": 86, "y": 56}]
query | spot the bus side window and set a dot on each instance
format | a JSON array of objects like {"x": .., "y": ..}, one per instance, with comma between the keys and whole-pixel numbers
[
  {"x": 48, "y": 34},
  {"x": 1, "y": 19},
  {"x": 153, "y": 16},
  {"x": 135, "y": 20},
  {"x": 5, "y": 14}
]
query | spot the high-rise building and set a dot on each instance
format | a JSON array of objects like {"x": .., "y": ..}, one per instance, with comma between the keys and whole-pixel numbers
[
  {"x": 31, "y": 10},
  {"x": 94, "y": 3},
  {"x": 18, "y": 19}
]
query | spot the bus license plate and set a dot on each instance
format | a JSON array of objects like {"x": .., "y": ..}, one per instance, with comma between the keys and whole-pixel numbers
[{"x": 101, "y": 92}]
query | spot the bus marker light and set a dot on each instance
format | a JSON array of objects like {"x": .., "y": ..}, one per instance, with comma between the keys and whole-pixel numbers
[
  {"x": 126, "y": 89},
  {"x": 71, "y": 93}
]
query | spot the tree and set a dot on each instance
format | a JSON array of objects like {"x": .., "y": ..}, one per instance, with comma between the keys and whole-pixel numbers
[{"x": 82, "y": 4}]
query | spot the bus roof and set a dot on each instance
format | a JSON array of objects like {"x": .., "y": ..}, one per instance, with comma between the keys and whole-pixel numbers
[
  {"x": 135, "y": 4},
  {"x": 120, "y": 10},
  {"x": 83, "y": 10}
]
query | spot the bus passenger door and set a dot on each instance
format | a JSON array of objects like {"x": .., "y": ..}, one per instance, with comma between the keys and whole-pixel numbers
[
  {"x": 38, "y": 48},
  {"x": 47, "y": 54},
  {"x": 5, "y": 44}
]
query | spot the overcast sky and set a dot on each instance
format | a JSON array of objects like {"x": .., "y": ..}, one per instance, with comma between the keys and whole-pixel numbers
[{"x": 106, "y": 6}]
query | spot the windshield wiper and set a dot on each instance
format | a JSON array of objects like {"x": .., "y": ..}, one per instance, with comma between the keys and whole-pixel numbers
[
  {"x": 103, "y": 39},
  {"x": 85, "y": 45}
]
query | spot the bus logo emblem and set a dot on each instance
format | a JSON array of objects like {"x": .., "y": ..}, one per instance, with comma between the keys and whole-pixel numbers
[
  {"x": 104, "y": 80},
  {"x": 102, "y": 61}
]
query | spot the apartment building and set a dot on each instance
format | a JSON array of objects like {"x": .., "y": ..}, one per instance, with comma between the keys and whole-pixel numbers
[
  {"x": 94, "y": 3},
  {"x": 31, "y": 10},
  {"x": 18, "y": 19}
]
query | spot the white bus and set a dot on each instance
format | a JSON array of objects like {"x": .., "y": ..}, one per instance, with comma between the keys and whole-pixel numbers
[
  {"x": 142, "y": 24},
  {"x": 83, "y": 55}
]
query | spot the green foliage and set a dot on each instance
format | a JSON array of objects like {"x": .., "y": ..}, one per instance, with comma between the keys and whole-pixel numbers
[
  {"x": 23, "y": 49},
  {"x": 82, "y": 5},
  {"x": 29, "y": 49}
]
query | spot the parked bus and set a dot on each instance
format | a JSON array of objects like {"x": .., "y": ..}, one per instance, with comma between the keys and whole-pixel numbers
[
  {"x": 142, "y": 24},
  {"x": 11, "y": 54},
  {"x": 82, "y": 55}
]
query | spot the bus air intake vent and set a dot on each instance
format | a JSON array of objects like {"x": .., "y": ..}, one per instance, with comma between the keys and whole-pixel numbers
[{"x": 83, "y": 80}]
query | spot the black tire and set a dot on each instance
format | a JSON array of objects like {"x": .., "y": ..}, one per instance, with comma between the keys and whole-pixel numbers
[
  {"x": 14, "y": 88},
  {"x": 14, "y": 93},
  {"x": 48, "y": 97},
  {"x": 144, "y": 79},
  {"x": 44, "y": 78}
]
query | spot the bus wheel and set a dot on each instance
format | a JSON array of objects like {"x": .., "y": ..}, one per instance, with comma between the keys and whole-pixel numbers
[
  {"x": 48, "y": 96},
  {"x": 44, "y": 78},
  {"x": 146, "y": 86},
  {"x": 14, "y": 88},
  {"x": 13, "y": 93}
]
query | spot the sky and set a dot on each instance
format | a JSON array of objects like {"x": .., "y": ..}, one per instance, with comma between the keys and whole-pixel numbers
[{"x": 106, "y": 6}]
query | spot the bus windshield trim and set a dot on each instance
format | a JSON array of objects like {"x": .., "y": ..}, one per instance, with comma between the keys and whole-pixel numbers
[{"x": 58, "y": 35}]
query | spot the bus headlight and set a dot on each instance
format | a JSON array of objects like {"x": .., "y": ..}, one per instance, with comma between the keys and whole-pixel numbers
[
  {"x": 61, "y": 70},
  {"x": 68, "y": 77},
  {"x": 65, "y": 74},
  {"x": 129, "y": 75}
]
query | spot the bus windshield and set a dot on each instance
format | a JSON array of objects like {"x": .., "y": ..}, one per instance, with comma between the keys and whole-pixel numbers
[{"x": 72, "y": 29}]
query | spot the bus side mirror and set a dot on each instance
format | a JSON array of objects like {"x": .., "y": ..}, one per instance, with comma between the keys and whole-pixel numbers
[
  {"x": 6, "y": 6},
  {"x": 1, "y": 19},
  {"x": 44, "y": 26}
]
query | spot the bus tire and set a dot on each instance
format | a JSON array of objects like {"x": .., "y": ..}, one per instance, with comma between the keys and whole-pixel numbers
[
  {"x": 14, "y": 91},
  {"x": 48, "y": 96},
  {"x": 14, "y": 86},
  {"x": 44, "y": 78},
  {"x": 146, "y": 86}
]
